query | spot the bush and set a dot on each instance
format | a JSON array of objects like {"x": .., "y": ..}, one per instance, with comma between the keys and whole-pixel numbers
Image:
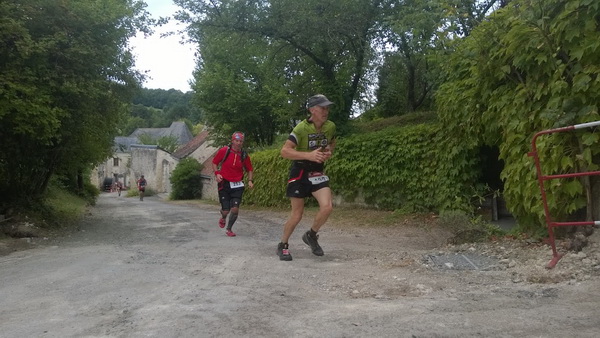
[
  {"x": 89, "y": 193},
  {"x": 409, "y": 168},
  {"x": 270, "y": 179},
  {"x": 186, "y": 181}
]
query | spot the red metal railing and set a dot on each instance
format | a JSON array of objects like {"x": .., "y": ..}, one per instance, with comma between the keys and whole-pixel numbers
[{"x": 542, "y": 178}]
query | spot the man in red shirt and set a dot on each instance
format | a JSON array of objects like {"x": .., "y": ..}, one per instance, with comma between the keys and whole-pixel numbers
[{"x": 229, "y": 164}]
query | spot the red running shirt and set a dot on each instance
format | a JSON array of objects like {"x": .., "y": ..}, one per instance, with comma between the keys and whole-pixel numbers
[{"x": 232, "y": 169}]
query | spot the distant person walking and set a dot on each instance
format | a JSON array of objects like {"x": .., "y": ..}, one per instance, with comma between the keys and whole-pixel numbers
[
  {"x": 310, "y": 144},
  {"x": 141, "y": 183},
  {"x": 229, "y": 164}
]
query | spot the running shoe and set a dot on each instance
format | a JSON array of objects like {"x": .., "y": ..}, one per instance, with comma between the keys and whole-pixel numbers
[
  {"x": 313, "y": 243},
  {"x": 284, "y": 252},
  {"x": 230, "y": 233},
  {"x": 221, "y": 223}
]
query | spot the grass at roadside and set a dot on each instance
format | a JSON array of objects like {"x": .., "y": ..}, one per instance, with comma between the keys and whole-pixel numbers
[
  {"x": 60, "y": 210},
  {"x": 63, "y": 208}
]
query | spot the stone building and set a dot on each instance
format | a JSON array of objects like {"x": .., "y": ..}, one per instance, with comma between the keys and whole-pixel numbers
[{"x": 131, "y": 159}]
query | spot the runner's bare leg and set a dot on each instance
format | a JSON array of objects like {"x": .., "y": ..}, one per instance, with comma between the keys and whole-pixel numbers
[
  {"x": 325, "y": 199},
  {"x": 294, "y": 219}
]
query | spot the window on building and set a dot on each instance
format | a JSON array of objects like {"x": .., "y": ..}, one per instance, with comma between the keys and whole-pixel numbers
[{"x": 116, "y": 161}]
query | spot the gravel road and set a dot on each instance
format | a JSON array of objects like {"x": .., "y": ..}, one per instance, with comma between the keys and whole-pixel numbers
[{"x": 162, "y": 269}]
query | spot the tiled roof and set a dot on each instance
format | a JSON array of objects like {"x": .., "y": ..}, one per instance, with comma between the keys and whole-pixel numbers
[
  {"x": 192, "y": 145},
  {"x": 123, "y": 144}
]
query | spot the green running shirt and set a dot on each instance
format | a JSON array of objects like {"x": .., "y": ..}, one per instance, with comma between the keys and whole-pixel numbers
[{"x": 306, "y": 138}]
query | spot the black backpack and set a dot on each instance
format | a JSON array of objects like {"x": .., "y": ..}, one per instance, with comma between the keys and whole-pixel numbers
[{"x": 244, "y": 155}]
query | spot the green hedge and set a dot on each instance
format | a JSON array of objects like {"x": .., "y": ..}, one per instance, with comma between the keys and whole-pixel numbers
[
  {"x": 411, "y": 168},
  {"x": 270, "y": 179}
]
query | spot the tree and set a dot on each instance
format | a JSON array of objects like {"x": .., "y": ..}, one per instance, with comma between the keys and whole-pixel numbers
[
  {"x": 66, "y": 74},
  {"x": 168, "y": 143},
  {"x": 248, "y": 100},
  {"x": 157, "y": 108},
  {"x": 532, "y": 66},
  {"x": 417, "y": 37},
  {"x": 405, "y": 81},
  {"x": 317, "y": 45}
]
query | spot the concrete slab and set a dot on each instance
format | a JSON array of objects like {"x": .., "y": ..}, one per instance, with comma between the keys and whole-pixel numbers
[{"x": 462, "y": 261}]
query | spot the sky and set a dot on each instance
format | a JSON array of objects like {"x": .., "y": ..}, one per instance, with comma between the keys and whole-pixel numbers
[{"x": 166, "y": 62}]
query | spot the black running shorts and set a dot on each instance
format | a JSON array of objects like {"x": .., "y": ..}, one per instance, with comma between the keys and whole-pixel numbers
[
  {"x": 229, "y": 198},
  {"x": 299, "y": 184}
]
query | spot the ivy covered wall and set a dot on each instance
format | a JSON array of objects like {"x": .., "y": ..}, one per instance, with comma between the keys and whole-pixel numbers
[{"x": 412, "y": 168}]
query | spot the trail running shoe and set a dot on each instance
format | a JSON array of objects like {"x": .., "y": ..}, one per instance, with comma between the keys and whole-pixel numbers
[
  {"x": 283, "y": 252},
  {"x": 313, "y": 243},
  {"x": 221, "y": 223},
  {"x": 230, "y": 233}
]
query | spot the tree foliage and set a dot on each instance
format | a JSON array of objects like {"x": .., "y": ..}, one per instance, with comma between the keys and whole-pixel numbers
[
  {"x": 158, "y": 108},
  {"x": 237, "y": 89},
  {"x": 260, "y": 60},
  {"x": 65, "y": 75},
  {"x": 168, "y": 143},
  {"x": 532, "y": 66},
  {"x": 417, "y": 36}
]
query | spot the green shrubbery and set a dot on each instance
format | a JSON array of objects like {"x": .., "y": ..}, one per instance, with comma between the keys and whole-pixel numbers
[
  {"x": 270, "y": 179},
  {"x": 528, "y": 69},
  {"x": 62, "y": 208},
  {"x": 89, "y": 193},
  {"x": 411, "y": 168},
  {"x": 186, "y": 181}
]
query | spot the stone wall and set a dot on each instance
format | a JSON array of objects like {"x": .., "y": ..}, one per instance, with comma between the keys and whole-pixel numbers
[
  {"x": 109, "y": 169},
  {"x": 155, "y": 164}
]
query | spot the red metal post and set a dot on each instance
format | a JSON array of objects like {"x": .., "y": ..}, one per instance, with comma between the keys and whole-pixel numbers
[{"x": 541, "y": 178}]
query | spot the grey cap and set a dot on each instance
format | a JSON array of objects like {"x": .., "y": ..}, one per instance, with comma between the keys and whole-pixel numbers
[{"x": 318, "y": 100}]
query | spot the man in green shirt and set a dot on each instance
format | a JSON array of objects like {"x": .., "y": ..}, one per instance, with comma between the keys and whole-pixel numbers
[{"x": 310, "y": 144}]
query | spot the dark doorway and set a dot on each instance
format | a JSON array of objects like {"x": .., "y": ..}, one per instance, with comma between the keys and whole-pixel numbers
[{"x": 494, "y": 204}]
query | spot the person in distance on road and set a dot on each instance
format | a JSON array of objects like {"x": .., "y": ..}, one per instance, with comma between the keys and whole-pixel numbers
[{"x": 141, "y": 183}]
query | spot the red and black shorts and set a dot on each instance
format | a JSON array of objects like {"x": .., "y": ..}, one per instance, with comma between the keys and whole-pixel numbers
[
  {"x": 303, "y": 183},
  {"x": 228, "y": 197}
]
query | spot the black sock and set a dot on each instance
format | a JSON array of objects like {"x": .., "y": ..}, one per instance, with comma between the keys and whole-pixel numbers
[
  {"x": 232, "y": 218},
  {"x": 312, "y": 233}
]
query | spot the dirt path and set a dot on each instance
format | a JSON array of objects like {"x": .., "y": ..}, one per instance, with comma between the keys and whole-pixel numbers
[{"x": 157, "y": 269}]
